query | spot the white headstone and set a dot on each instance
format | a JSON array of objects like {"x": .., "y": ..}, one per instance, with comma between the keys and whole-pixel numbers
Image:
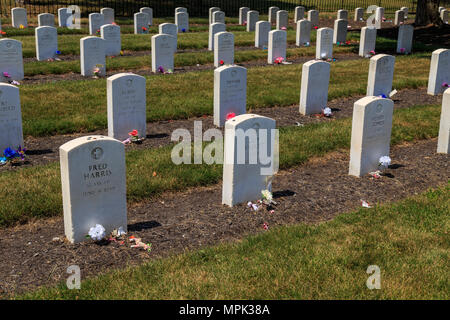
[
  {"x": 439, "y": 71},
  {"x": 303, "y": 36},
  {"x": 299, "y": 13},
  {"x": 141, "y": 23},
  {"x": 92, "y": 55},
  {"x": 19, "y": 17},
  {"x": 277, "y": 45},
  {"x": 405, "y": 38},
  {"x": 96, "y": 20},
  {"x": 444, "y": 16},
  {"x": 243, "y": 15},
  {"x": 46, "y": 42},
  {"x": 368, "y": 41},
  {"x": 381, "y": 73},
  {"x": 444, "y": 128},
  {"x": 379, "y": 15},
  {"x": 359, "y": 14},
  {"x": 223, "y": 48},
  {"x": 110, "y": 33},
  {"x": 211, "y": 11},
  {"x": 63, "y": 15},
  {"x": 218, "y": 17},
  {"x": 170, "y": 29},
  {"x": 342, "y": 14},
  {"x": 108, "y": 14},
  {"x": 11, "y": 59},
  {"x": 230, "y": 92},
  {"x": 148, "y": 11},
  {"x": 273, "y": 14},
  {"x": 371, "y": 134},
  {"x": 399, "y": 17},
  {"x": 324, "y": 46},
  {"x": 252, "y": 19},
  {"x": 405, "y": 10},
  {"x": 244, "y": 169},
  {"x": 46, "y": 20},
  {"x": 163, "y": 50},
  {"x": 213, "y": 29},
  {"x": 182, "y": 21},
  {"x": 314, "y": 87},
  {"x": 340, "y": 31},
  {"x": 180, "y": 9},
  {"x": 313, "y": 17},
  {"x": 93, "y": 178},
  {"x": 126, "y": 105},
  {"x": 262, "y": 34},
  {"x": 11, "y": 135},
  {"x": 440, "y": 9},
  {"x": 282, "y": 19}
]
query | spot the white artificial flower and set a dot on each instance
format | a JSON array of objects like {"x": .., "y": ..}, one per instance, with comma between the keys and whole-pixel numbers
[
  {"x": 120, "y": 232},
  {"x": 267, "y": 195},
  {"x": 97, "y": 233},
  {"x": 385, "y": 161},
  {"x": 327, "y": 112}
]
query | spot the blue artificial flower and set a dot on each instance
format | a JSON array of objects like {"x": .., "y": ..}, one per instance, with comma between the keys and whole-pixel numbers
[
  {"x": 383, "y": 96},
  {"x": 9, "y": 153},
  {"x": 58, "y": 52},
  {"x": 184, "y": 30},
  {"x": 3, "y": 160}
]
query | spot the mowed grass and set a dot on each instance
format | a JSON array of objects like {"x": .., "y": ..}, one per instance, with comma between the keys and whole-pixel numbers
[
  {"x": 408, "y": 241},
  {"x": 35, "y": 192},
  {"x": 80, "y": 106}
]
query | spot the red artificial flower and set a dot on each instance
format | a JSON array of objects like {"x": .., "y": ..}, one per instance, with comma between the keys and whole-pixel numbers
[
  {"x": 221, "y": 62},
  {"x": 230, "y": 115},
  {"x": 316, "y": 27},
  {"x": 144, "y": 28},
  {"x": 133, "y": 133}
]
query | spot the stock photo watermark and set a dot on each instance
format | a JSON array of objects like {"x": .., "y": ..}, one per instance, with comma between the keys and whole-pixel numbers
[
  {"x": 374, "y": 281},
  {"x": 74, "y": 280}
]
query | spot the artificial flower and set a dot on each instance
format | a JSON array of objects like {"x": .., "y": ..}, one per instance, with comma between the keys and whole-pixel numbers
[
  {"x": 279, "y": 60},
  {"x": 3, "y": 161},
  {"x": 221, "y": 62},
  {"x": 183, "y": 30},
  {"x": 58, "y": 52},
  {"x": 161, "y": 69},
  {"x": 283, "y": 28},
  {"x": 6, "y": 74},
  {"x": 144, "y": 29},
  {"x": 9, "y": 153},
  {"x": 267, "y": 197},
  {"x": 133, "y": 133},
  {"x": 445, "y": 84},
  {"x": 402, "y": 50},
  {"x": 385, "y": 161},
  {"x": 365, "y": 204},
  {"x": 120, "y": 232},
  {"x": 327, "y": 112},
  {"x": 266, "y": 226},
  {"x": 97, "y": 233},
  {"x": 230, "y": 115}
]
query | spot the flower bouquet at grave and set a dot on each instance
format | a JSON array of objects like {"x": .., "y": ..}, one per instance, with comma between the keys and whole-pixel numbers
[
  {"x": 383, "y": 164},
  {"x": 144, "y": 30},
  {"x": 97, "y": 70},
  {"x": 133, "y": 138},
  {"x": 14, "y": 157},
  {"x": 278, "y": 60}
]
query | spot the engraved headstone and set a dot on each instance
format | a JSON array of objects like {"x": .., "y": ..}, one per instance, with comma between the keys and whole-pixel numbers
[
  {"x": 211, "y": 12},
  {"x": 148, "y": 11},
  {"x": 299, "y": 13},
  {"x": 92, "y": 55},
  {"x": 182, "y": 21},
  {"x": 180, "y": 9},
  {"x": 93, "y": 179},
  {"x": 313, "y": 17},
  {"x": 359, "y": 14},
  {"x": 303, "y": 36},
  {"x": 96, "y": 20},
  {"x": 273, "y": 14},
  {"x": 381, "y": 74},
  {"x": 141, "y": 23},
  {"x": 439, "y": 71},
  {"x": 444, "y": 16},
  {"x": 243, "y": 15},
  {"x": 371, "y": 134},
  {"x": 223, "y": 48},
  {"x": 282, "y": 19},
  {"x": 277, "y": 45},
  {"x": 108, "y": 14},
  {"x": 213, "y": 29},
  {"x": 399, "y": 17},
  {"x": 324, "y": 46},
  {"x": 110, "y": 33},
  {"x": 262, "y": 34},
  {"x": 245, "y": 171},
  {"x": 126, "y": 94},
  {"x": 46, "y": 20},
  {"x": 63, "y": 15},
  {"x": 340, "y": 31},
  {"x": 252, "y": 19},
  {"x": 46, "y": 43},
  {"x": 11, "y": 135},
  {"x": 405, "y": 10},
  {"x": 342, "y": 14},
  {"x": 170, "y": 29},
  {"x": 368, "y": 41},
  {"x": 11, "y": 60},
  {"x": 163, "y": 49},
  {"x": 379, "y": 15},
  {"x": 19, "y": 17},
  {"x": 230, "y": 92},
  {"x": 218, "y": 17},
  {"x": 314, "y": 87},
  {"x": 405, "y": 38}
]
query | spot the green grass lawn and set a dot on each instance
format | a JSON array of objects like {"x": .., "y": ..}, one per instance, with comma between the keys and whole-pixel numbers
[
  {"x": 184, "y": 95},
  {"x": 408, "y": 241},
  {"x": 36, "y": 191}
]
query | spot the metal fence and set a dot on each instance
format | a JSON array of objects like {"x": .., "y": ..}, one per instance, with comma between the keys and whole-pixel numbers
[{"x": 198, "y": 8}]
